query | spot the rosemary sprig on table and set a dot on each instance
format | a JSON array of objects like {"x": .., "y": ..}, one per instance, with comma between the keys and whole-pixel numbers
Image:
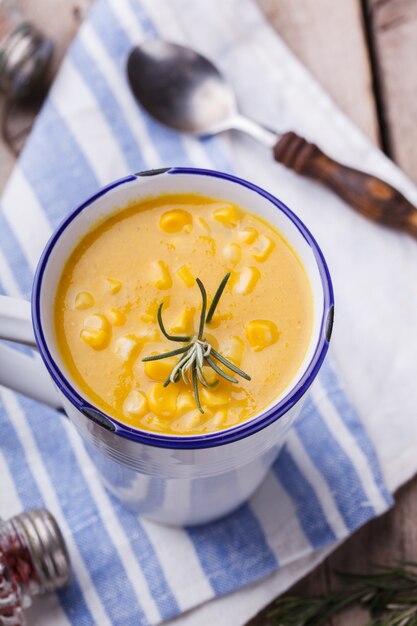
[
  {"x": 198, "y": 350},
  {"x": 389, "y": 594}
]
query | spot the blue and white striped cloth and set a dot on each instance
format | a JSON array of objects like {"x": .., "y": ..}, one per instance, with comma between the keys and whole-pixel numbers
[{"x": 328, "y": 481}]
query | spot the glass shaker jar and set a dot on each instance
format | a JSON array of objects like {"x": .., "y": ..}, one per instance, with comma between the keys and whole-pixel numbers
[
  {"x": 25, "y": 54},
  {"x": 33, "y": 561}
]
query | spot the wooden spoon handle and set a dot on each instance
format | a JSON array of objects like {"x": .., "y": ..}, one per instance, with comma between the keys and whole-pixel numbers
[{"x": 369, "y": 195}]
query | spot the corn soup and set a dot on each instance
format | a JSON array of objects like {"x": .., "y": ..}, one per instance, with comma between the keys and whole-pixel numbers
[{"x": 152, "y": 252}]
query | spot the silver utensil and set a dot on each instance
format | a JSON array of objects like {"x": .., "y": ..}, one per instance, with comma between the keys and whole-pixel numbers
[{"x": 185, "y": 91}]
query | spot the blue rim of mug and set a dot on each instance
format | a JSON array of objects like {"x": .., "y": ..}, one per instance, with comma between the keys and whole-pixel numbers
[{"x": 206, "y": 440}]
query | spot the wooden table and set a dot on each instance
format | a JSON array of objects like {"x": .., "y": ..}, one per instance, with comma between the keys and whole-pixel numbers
[{"x": 364, "y": 53}]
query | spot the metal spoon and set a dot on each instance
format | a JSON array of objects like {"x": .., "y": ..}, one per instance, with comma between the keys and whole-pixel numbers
[{"x": 185, "y": 91}]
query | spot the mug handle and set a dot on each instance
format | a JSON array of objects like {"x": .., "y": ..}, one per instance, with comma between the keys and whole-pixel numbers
[{"x": 19, "y": 371}]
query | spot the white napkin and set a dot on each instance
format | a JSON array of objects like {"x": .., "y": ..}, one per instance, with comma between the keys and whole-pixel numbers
[{"x": 374, "y": 270}]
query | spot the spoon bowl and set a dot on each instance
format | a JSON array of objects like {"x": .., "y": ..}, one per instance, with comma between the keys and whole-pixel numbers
[{"x": 180, "y": 87}]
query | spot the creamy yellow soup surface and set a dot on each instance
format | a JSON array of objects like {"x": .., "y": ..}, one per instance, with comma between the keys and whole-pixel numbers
[{"x": 152, "y": 252}]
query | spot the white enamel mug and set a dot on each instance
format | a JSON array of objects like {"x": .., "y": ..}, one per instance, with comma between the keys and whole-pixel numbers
[{"x": 181, "y": 480}]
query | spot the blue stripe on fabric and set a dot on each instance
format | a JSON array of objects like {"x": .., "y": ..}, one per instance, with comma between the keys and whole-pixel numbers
[
  {"x": 158, "y": 586},
  {"x": 212, "y": 145},
  {"x": 104, "y": 565},
  {"x": 148, "y": 560},
  {"x": 146, "y": 23},
  {"x": 225, "y": 548},
  {"x": 118, "y": 476},
  {"x": 336, "y": 467},
  {"x": 71, "y": 598},
  {"x": 59, "y": 160},
  {"x": 11, "y": 249},
  {"x": 117, "y": 43},
  {"x": 19, "y": 347},
  {"x": 218, "y": 155},
  {"x": 233, "y": 551},
  {"x": 307, "y": 505},
  {"x": 352, "y": 420},
  {"x": 109, "y": 106}
]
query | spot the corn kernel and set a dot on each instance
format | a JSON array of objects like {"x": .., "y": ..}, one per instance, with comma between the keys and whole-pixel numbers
[
  {"x": 97, "y": 339},
  {"x": 163, "y": 278},
  {"x": 113, "y": 286},
  {"x": 220, "y": 396},
  {"x": 160, "y": 370},
  {"x": 187, "y": 422},
  {"x": 185, "y": 402},
  {"x": 228, "y": 215},
  {"x": 174, "y": 221},
  {"x": 136, "y": 403},
  {"x": 116, "y": 317},
  {"x": 248, "y": 234},
  {"x": 185, "y": 274},
  {"x": 234, "y": 351},
  {"x": 98, "y": 322},
  {"x": 263, "y": 248},
  {"x": 233, "y": 253},
  {"x": 184, "y": 324},
  {"x": 246, "y": 280},
  {"x": 216, "y": 422},
  {"x": 83, "y": 300},
  {"x": 96, "y": 332},
  {"x": 209, "y": 374},
  {"x": 261, "y": 334},
  {"x": 126, "y": 347},
  {"x": 163, "y": 400}
]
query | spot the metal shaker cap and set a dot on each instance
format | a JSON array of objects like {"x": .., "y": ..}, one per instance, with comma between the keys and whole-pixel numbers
[
  {"x": 47, "y": 547},
  {"x": 25, "y": 60}
]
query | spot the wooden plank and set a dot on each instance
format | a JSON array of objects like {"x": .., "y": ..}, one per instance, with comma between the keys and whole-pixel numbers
[
  {"x": 324, "y": 35},
  {"x": 393, "y": 35},
  {"x": 385, "y": 540},
  {"x": 328, "y": 37},
  {"x": 393, "y": 25},
  {"x": 61, "y": 25}
]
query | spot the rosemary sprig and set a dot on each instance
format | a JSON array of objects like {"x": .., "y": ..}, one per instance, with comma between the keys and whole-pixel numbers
[
  {"x": 216, "y": 298},
  {"x": 219, "y": 371},
  {"x": 203, "y": 308},
  {"x": 162, "y": 327},
  {"x": 195, "y": 386},
  {"x": 389, "y": 594},
  {"x": 228, "y": 364},
  {"x": 198, "y": 351}
]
